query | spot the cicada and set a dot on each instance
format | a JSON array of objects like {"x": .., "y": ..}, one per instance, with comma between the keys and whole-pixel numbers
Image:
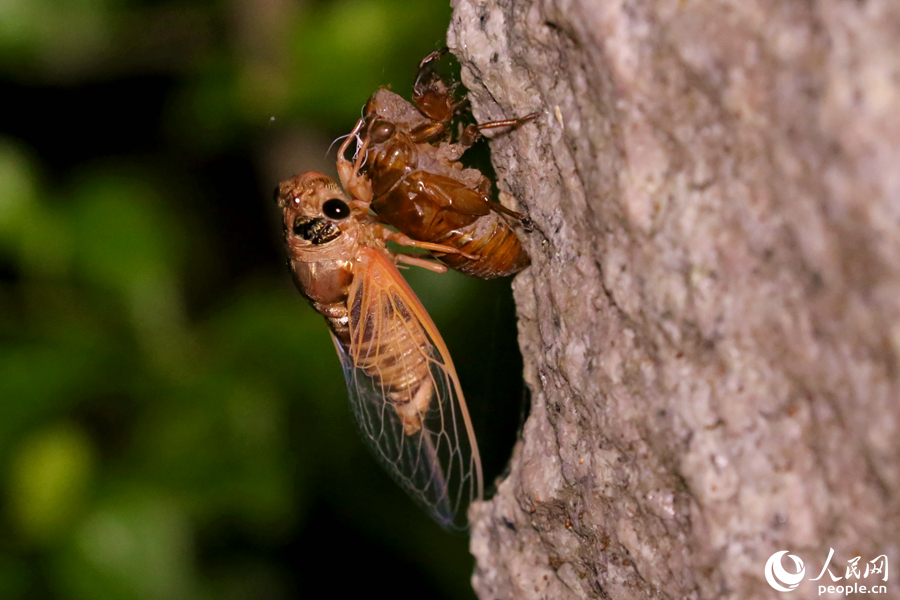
[
  {"x": 407, "y": 168},
  {"x": 402, "y": 384}
]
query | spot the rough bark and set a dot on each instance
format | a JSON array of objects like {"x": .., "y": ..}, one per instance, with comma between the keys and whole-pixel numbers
[{"x": 710, "y": 324}]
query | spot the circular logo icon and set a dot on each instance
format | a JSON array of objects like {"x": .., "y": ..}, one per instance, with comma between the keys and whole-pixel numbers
[{"x": 776, "y": 575}]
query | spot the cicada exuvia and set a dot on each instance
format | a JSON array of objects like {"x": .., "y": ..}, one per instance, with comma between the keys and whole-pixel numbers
[
  {"x": 401, "y": 381},
  {"x": 408, "y": 169}
]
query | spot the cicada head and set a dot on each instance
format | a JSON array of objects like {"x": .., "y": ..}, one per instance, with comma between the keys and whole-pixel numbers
[
  {"x": 433, "y": 97},
  {"x": 319, "y": 220}
]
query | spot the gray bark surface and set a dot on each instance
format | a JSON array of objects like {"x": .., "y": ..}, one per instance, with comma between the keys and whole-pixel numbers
[{"x": 710, "y": 323}]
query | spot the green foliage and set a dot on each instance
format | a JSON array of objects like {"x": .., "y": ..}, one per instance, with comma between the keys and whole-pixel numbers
[
  {"x": 173, "y": 418},
  {"x": 49, "y": 479}
]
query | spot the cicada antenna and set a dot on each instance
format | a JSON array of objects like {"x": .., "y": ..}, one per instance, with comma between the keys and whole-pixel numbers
[
  {"x": 343, "y": 137},
  {"x": 336, "y": 140}
]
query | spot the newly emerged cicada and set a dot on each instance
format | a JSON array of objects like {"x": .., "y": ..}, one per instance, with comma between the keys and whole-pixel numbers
[
  {"x": 407, "y": 168},
  {"x": 402, "y": 384}
]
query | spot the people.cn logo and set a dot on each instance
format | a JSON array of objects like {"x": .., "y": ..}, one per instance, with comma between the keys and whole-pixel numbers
[{"x": 776, "y": 575}]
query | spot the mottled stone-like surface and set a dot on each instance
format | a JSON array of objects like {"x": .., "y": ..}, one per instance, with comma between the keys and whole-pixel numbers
[{"x": 710, "y": 324}]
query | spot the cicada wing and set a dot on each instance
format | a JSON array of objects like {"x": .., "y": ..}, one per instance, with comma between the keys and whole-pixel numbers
[{"x": 395, "y": 361}]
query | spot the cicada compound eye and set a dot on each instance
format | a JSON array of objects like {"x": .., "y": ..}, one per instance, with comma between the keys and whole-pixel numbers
[
  {"x": 336, "y": 209},
  {"x": 381, "y": 131}
]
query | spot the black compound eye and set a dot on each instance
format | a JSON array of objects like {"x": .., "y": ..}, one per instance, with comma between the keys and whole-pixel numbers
[{"x": 336, "y": 209}]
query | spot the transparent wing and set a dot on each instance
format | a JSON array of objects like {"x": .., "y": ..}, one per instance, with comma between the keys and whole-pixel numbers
[{"x": 406, "y": 396}]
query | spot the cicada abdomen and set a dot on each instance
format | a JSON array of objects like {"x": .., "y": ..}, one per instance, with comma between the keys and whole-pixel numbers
[{"x": 401, "y": 381}]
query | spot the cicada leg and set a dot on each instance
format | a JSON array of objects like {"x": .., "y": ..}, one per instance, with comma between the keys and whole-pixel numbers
[
  {"x": 429, "y": 59},
  {"x": 526, "y": 222},
  {"x": 499, "y": 208},
  {"x": 359, "y": 187},
  {"x": 405, "y": 240},
  {"x": 509, "y": 122},
  {"x": 471, "y": 133},
  {"x": 424, "y": 263}
]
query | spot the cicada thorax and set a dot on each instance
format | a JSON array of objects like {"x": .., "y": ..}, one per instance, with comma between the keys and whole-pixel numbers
[{"x": 432, "y": 200}]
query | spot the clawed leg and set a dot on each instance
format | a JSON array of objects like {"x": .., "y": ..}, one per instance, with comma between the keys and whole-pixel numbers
[
  {"x": 497, "y": 207},
  {"x": 426, "y": 69},
  {"x": 471, "y": 133},
  {"x": 527, "y": 223},
  {"x": 357, "y": 186},
  {"x": 503, "y": 210},
  {"x": 509, "y": 122},
  {"x": 420, "y": 262},
  {"x": 405, "y": 240},
  {"x": 432, "y": 57}
]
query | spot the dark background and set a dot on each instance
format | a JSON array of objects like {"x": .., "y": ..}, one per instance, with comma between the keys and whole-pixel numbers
[{"x": 173, "y": 419}]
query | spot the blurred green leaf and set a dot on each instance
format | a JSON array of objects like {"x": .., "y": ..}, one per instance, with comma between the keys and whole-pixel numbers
[
  {"x": 37, "y": 380},
  {"x": 123, "y": 236},
  {"x": 279, "y": 334},
  {"x": 341, "y": 52},
  {"x": 222, "y": 442},
  {"x": 56, "y": 35},
  {"x": 173, "y": 416},
  {"x": 15, "y": 578},
  {"x": 18, "y": 187},
  {"x": 49, "y": 481},
  {"x": 135, "y": 545},
  {"x": 30, "y": 232}
]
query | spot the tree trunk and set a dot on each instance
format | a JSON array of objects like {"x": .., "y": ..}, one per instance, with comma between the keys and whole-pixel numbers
[{"x": 710, "y": 323}]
